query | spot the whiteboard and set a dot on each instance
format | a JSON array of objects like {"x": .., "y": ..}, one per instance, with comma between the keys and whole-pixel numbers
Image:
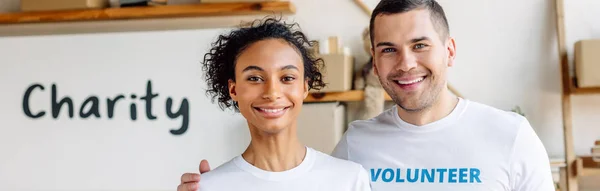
[{"x": 102, "y": 152}]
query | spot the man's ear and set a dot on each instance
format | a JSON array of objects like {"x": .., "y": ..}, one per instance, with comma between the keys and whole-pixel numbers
[
  {"x": 372, "y": 52},
  {"x": 373, "y": 62},
  {"x": 451, "y": 47},
  {"x": 232, "y": 92}
]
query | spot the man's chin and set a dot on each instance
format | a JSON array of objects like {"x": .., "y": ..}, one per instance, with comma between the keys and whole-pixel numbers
[
  {"x": 410, "y": 104},
  {"x": 410, "y": 109}
]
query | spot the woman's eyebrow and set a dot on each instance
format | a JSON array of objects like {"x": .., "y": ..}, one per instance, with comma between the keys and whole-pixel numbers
[{"x": 252, "y": 68}]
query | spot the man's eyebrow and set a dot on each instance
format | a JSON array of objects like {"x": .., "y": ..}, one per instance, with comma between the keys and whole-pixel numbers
[
  {"x": 419, "y": 39},
  {"x": 384, "y": 44}
]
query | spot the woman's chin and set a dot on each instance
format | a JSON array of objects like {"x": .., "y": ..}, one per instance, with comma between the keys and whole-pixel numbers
[{"x": 271, "y": 128}]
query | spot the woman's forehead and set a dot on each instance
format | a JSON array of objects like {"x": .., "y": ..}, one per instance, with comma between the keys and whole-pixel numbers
[{"x": 269, "y": 54}]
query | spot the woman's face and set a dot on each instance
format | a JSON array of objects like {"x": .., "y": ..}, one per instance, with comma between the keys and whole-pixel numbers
[{"x": 269, "y": 85}]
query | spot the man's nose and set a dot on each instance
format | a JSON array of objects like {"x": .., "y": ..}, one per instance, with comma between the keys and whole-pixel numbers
[{"x": 406, "y": 61}]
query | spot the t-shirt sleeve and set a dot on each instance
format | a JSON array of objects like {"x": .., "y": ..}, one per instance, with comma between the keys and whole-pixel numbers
[
  {"x": 529, "y": 162},
  {"x": 362, "y": 183},
  {"x": 341, "y": 149}
]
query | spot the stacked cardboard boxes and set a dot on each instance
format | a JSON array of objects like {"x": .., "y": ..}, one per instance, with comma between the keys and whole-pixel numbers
[
  {"x": 321, "y": 125},
  {"x": 234, "y": 1},
  {"x": 339, "y": 65},
  {"x": 587, "y": 63},
  {"x": 48, "y": 5}
]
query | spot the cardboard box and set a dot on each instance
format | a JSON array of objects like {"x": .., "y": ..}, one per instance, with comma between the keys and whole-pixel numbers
[
  {"x": 49, "y": 5},
  {"x": 337, "y": 73},
  {"x": 234, "y": 1},
  {"x": 321, "y": 125},
  {"x": 587, "y": 63}
]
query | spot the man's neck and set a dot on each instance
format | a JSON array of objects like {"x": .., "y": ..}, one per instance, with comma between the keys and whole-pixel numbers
[
  {"x": 274, "y": 152},
  {"x": 441, "y": 108}
]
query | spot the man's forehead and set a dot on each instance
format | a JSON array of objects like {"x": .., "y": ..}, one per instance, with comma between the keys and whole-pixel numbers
[{"x": 408, "y": 25}]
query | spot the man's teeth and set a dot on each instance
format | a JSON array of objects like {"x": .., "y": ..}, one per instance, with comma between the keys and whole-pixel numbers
[
  {"x": 411, "y": 81},
  {"x": 272, "y": 110}
]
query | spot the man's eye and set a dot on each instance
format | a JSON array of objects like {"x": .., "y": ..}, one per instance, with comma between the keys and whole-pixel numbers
[
  {"x": 420, "y": 46},
  {"x": 388, "y": 50}
]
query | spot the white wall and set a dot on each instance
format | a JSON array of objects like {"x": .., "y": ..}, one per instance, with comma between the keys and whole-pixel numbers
[
  {"x": 504, "y": 59},
  {"x": 507, "y": 56}
]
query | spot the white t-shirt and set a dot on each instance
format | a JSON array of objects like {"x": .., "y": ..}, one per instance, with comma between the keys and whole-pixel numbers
[
  {"x": 317, "y": 172},
  {"x": 475, "y": 148}
]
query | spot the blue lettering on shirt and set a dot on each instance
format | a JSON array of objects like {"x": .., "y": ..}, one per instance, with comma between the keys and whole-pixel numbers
[
  {"x": 475, "y": 175},
  {"x": 374, "y": 175},
  {"x": 434, "y": 175},
  {"x": 413, "y": 179},
  {"x": 452, "y": 176},
  {"x": 462, "y": 175},
  {"x": 429, "y": 175},
  {"x": 386, "y": 172},
  {"x": 399, "y": 177},
  {"x": 441, "y": 172}
]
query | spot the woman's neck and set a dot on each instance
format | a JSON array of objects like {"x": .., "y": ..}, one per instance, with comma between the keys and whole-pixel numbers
[{"x": 274, "y": 152}]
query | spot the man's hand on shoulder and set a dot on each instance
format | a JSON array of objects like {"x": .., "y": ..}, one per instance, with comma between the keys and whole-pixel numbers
[{"x": 191, "y": 181}]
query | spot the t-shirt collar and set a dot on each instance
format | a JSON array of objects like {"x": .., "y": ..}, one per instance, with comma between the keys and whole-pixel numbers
[
  {"x": 433, "y": 126},
  {"x": 299, "y": 170}
]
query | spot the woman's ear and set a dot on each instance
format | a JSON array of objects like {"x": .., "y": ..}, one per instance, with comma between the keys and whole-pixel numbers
[
  {"x": 232, "y": 92},
  {"x": 305, "y": 89}
]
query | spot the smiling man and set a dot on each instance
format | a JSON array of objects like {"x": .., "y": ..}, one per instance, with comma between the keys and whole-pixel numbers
[{"x": 433, "y": 140}]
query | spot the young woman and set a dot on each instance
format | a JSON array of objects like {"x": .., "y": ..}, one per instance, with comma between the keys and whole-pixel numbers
[{"x": 265, "y": 71}]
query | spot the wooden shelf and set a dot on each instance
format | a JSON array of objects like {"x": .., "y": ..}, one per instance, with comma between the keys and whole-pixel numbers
[
  {"x": 168, "y": 11},
  {"x": 348, "y": 96},
  {"x": 576, "y": 90},
  {"x": 586, "y": 166},
  {"x": 573, "y": 89}
]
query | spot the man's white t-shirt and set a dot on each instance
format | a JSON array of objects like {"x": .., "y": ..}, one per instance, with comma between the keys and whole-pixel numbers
[
  {"x": 317, "y": 172},
  {"x": 475, "y": 148}
]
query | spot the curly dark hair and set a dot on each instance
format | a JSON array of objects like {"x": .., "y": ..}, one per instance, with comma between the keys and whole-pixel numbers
[{"x": 219, "y": 63}]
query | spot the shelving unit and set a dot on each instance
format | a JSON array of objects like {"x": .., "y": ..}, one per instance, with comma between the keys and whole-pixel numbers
[
  {"x": 576, "y": 166},
  {"x": 347, "y": 96},
  {"x": 352, "y": 95},
  {"x": 135, "y": 19},
  {"x": 167, "y": 11},
  {"x": 576, "y": 90}
]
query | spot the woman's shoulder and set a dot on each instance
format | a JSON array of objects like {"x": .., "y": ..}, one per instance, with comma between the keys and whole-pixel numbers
[
  {"x": 337, "y": 165},
  {"x": 224, "y": 172},
  {"x": 343, "y": 174}
]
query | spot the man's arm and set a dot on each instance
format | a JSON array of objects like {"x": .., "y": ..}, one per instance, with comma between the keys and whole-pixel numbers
[
  {"x": 191, "y": 181},
  {"x": 530, "y": 166}
]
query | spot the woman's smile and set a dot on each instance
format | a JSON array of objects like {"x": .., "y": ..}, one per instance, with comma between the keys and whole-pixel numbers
[{"x": 272, "y": 112}]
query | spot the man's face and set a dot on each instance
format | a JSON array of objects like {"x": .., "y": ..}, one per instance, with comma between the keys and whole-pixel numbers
[{"x": 411, "y": 58}]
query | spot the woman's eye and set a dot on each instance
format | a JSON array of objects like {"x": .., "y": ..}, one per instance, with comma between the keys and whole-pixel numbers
[
  {"x": 254, "y": 79},
  {"x": 288, "y": 79}
]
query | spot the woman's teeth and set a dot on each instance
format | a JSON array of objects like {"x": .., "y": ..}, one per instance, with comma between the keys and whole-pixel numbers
[
  {"x": 410, "y": 82},
  {"x": 272, "y": 110}
]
